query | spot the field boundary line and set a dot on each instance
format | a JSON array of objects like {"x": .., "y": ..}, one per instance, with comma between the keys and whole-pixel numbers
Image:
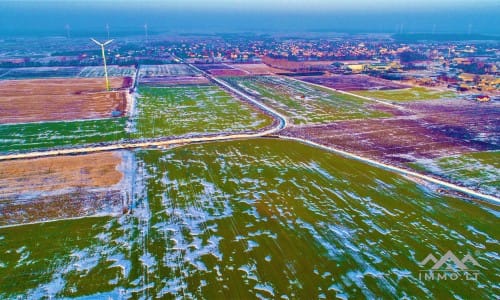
[{"x": 98, "y": 215}]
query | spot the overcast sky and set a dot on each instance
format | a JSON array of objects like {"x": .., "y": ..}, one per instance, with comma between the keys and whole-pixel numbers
[
  {"x": 276, "y": 5},
  {"x": 460, "y": 16}
]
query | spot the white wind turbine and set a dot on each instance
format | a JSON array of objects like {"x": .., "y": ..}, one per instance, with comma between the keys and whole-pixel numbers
[{"x": 104, "y": 59}]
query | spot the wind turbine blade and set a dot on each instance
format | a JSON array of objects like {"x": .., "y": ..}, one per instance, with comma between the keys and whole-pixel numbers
[
  {"x": 108, "y": 42},
  {"x": 95, "y": 42}
]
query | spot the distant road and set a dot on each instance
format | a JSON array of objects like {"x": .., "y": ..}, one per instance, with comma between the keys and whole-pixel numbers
[{"x": 282, "y": 123}]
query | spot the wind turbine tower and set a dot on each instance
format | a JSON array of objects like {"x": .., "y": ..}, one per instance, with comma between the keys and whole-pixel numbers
[
  {"x": 107, "y": 30},
  {"x": 104, "y": 59},
  {"x": 68, "y": 29}
]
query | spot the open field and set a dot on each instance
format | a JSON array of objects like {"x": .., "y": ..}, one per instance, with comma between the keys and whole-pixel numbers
[
  {"x": 59, "y": 187},
  {"x": 353, "y": 82},
  {"x": 29, "y": 176},
  {"x": 424, "y": 131},
  {"x": 160, "y": 81},
  {"x": 183, "y": 110},
  {"x": 395, "y": 140},
  {"x": 408, "y": 94},
  {"x": 24, "y": 101},
  {"x": 206, "y": 67},
  {"x": 60, "y": 72},
  {"x": 466, "y": 120},
  {"x": 169, "y": 75},
  {"x": 161, "y": 112},
  {"x": 25, "y": 109},
  {"x": 258, "y": 69},
  {"x": 227, "y": 72},
  {"x": 39, "y": 72},
  {"x": 113, "y": 71},
  {"x": 37, "y": 136},
  {"x": 303, "y": 103},
  {"x": 258, "y": 217},
  {"x": 221, "y": 70},
  {"x": 58, "y": 86},
  {"x": 475, "y": 170},
  {"x": 146, "y": 71}
]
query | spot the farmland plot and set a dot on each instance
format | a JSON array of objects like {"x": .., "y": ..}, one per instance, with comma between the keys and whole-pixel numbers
[
  {"x": 113, "y": 71},
  {"x": 59, "y": 187},
  {"x": 477, "y": 170},
  {"x": 39, "y": 72},
  {"x": 146, "y": 71},
  {"x": 24, "y": 101},
  {"x": 409, "y": 94},
  {"x": 39, "y": 136},
  {"x": 258, "y": 218},
  {"x": 303, "y": 103},
  {"x": 184, "y": 110},
  {"x": 352, "y": 82}
]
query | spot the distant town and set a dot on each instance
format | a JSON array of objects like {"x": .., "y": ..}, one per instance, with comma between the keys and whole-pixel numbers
[{"x": 467, "y": 66}]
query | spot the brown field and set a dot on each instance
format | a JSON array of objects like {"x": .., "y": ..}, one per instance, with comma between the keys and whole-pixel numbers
[
  {"x": 58, "y": 173},
  {"x": 227, "y": 72},
  {"x": 296, "y": 66},
  {"x": 463, "y": 119},
  {"x": 55, "y": 187},
  {"x": 72, "y": 205},
  {"x": 258, "y": 69},
  {"x": 396, "y": 140},
  {"x": 353, "y": 82},
  {"x": 60, "y": 99},
  {"x": 430, "y": 130}
]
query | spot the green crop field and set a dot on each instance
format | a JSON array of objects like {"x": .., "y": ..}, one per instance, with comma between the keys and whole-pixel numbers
[
  {"x": 185, "y": 110},
  {"x": 162, "y": 112},
  {"x": 263, "y": 217},
  {"x": 410, "y": 94},
  {"x": 37, "y": 136},
  {"x": 303, "y": 103},
  {"x": 476, "y": 170}
]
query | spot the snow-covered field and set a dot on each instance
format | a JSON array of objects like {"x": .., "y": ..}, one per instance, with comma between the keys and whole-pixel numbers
[
  {"x": 182, "y": 110},
  {"x": 113, "y": 71},
  {"x": 166, "y": 70},
  {"x": 255, "y": 219},
  {"x": 477, "y": 170}
]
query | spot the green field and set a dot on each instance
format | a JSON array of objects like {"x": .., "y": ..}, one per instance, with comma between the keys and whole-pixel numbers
[
  {"x": 37, "y": 136},
  {"x": 410, "y": 94},
  {"x": 476, "y": 170},
  {"x": 162, "y": 112},
  {"x": 303, "y": 103},
  {"x": 185, "y": 110},
  {"x": 256, "y": 219}
]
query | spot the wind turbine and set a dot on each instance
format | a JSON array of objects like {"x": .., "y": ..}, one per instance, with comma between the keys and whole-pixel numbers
[
  {"x": 68, "y": 28},
  {"x": 107, "y": 30},
  {"x": 104, "y": 59}
]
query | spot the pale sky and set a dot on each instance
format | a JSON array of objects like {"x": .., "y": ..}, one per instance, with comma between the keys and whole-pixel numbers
[
  {"x": 461, "y": 16},
  {"x": 279, "y": 5}
]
